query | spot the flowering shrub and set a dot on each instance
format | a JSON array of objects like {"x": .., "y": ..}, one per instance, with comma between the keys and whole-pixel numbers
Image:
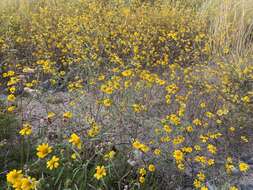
[{"x": 122, "y": 95}]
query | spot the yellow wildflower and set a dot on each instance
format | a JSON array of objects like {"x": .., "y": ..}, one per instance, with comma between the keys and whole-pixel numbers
[
  {"x": 138, "y": 108},
  {"x": 174, "y": 119},
  {"x": 53, "y": 163},
  {"x": 12, "y": 89},
  {"x": 211, "y": 148},
  {"x": 67, "y": 115},
  {"x": 26, "y": 130},
  {"x": 107, "y": 102},
  {"x": 50, "y": 115},
  {"x": 197, "y": 122},
  {"x": 203, "y": 188},
  {"x": 11, "y": 108},
  {"x": 110, "y": 155},
  {"x": 167, "y": 128},
  {"x": 178, "y": 155},
  {"x": 172, "y": 89},
  {"x": 141, "y": 179},
  {"x": 243, "y": 167},
  {"x": 127, "y": 73},
  {"x": 201, "y": 176},
  {"x": 189, "y": 128},
  {"x": 151, "y": 167},
  {"x": 157, "y": 152},
  {"x": 43, "y": 150},
  {"x": 28, "y": 183},
  {"x": 197, "y": 183},
  {"x": 202, "y": 104},
  {"x": 75, "y": 140},
  {"x": 246, "y": 99},
  {"x": 14, "y": 175},
  {"x": 11, "y": 98},
  {"x": 100, "y": 172},
  {"x": 142, "y": 171},
  {"x": 233, "y": 188},
  {"x": 244, "y": 138}
]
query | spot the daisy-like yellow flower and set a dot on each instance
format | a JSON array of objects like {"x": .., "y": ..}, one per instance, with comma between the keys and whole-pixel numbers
[
  {"x": 11, "y": 108},
  {"x": 201, "y": 176},
  {"x": 211, "y": 148},
  {"x": 13, "y": 176},
  {"x": 200, "y": 159},
  {"x": 127, "y": 73},
  {"x": 197, "y": 147},
  {"x": 233, "y": 188},
  {"x": 106, "y": 89},
  {"x": 50, "y": 115},
  {"x": 245, "y": 99},
  {"x": 73, "y": 156},
  {"x": 43, "y": 150},
  {"x": 100, "y": 172},
  {"x": 210, "y": 162},
  {"x": 160, "y": 82},
  {"x": 141, "y": 179},
  {"x": 138, "y": 145},
  {"x": 243, "y": 167},
  {"x": 67, "y": 115},
  {"x": 197, "y": 122},
  {"x": 244, "y": 139},
  {"x": 172, "y": 89},
  {"x": 151, "y": 167},
  {"x": 53, "y": 163},
  {"x": 209, "y": 114},
  {"x": 142, "y": 171},
  {"x": 127, "y": 83},
  {"x": 138, "y": 108},
  {"x": 28, "y": 183},
  {"x": 174, "y": 119},
  {"x": 11, "y": 98},
  {"x": 101, "y": 77},
  {"x": 13, "y": 81},
  {"x": 12, "y": 89},
  {"x": 26, "y": 130},
  {"x": 178, "y": 155},
  {"x": 157, "y": 152},
  {"x": 189, "y": 129},
  {"x": 75, "y": 140},
  {"x": 107, "y": 102},
  {"x": 95, "y": 129},
  {"x": 110, "y": 155},
  {"x": 11, "y": 73},
  {"x": 203, "y": 188},
  {"x": 167, "y": 128},
  {"x": 181, "y": 166},
  {"x": 197, "y": 183},
  {"x": 178, "y": 140},
  {"x": 202, "y": 104},
  {"x": 17, "y": 185},
  {"x": 187, "y": 149},
  {"x": 62, "y": 73}
]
